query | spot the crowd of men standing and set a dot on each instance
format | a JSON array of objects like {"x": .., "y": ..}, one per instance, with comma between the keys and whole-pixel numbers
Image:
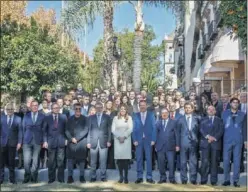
[{"x": 93, "y": 130}]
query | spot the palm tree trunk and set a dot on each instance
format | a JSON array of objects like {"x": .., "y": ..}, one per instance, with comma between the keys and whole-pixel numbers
[
  {"x": 138, "y": 39},
  {"x": 108, "y": 45}
]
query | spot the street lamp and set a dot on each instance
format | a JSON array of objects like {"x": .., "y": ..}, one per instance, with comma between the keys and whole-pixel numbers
[{"x": 116, "y": 51}]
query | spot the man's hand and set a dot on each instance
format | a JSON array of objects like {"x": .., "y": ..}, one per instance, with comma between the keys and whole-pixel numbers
[
  {"x": 19, "y": 145},
  {"x": 177, "y": 148},
  {"x": 108, "y": 144},
  {"x": 73, "y": 140},
  {"x": 136, "y": 143},
  {"x": 88, "y": 145},
  {"x": 152, "y": 143},
  {"x": 45, "y": 145}
]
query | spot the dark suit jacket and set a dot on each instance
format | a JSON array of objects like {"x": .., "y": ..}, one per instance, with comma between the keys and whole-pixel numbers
[
  {"x": 54, "y": 136},
  {"x": 216, "y": 130},
  {"x": 13, "y": 135},
  {"x": 156, "y": 111},
  {"x": 66, "y": 113},
  {"x": 188, "y": 138},
  {"x": 148, "y": 129},
  {"x": 86, "y": 112},
  {"x": 30, "y": 129},
  {"x": 101, "y": 133},
  {"x": 219, "y": 108},
  {"x": 168, "y": 138}
]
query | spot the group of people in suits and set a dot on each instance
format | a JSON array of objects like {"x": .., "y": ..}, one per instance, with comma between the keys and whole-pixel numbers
[{"x": 163, "y": 128}]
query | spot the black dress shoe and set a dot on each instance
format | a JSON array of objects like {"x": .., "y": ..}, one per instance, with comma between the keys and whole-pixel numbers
[
  {"x": 220, "y": 170},
  {"x": 193, "y": 182},
  {"x": 120, "y": 180},
  {"x": 51, "y": 181},
  {"x": 235, "y": 184},
  {"x": 61, "y": 181},
  {"x": 203, "y": 182},
  {"x": 104, "y": 180},
  {"x": 92, "y": 180},
  {"x": 1, "y": 182},
  {"x": 25, "y": 181},
  {"x": 70, "y": 180},
  {"x": 226, "y": 183},
  {"x": 162, "y": 181},
  {"x": 126, "y": 181},
  {"x": 213, "y": 184},
  {"x": 82, "y": 179},
  {"x": 139, "y": 181},
  {"x": 184, "y": 182},
  {"x": 173, "y": 182},
  {"x": 150, "y": 181},
  {"x": 13, "y": 182}
]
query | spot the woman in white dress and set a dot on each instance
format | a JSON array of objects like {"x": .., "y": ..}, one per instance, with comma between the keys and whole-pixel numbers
[{"x": 122, "y": 128}]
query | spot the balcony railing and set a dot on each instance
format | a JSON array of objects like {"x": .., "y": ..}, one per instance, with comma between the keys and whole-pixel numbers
[
  {"x": 218, "y": 18},
  {"x": 205, "y": 42},
  {"x": 212, "y": 30},
  {"x": 200, "y": 52}
]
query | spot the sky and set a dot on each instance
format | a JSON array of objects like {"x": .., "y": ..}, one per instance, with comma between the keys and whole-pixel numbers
[{"x": 162, "y": 21}]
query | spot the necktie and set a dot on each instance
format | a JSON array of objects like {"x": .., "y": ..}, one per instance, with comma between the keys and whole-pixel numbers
[
  {"x": 98, "y": 119},
  {"x": 9, "y": 122},
  {"x": 55, "y": 121},
  {"x": 188, "y": 118},
  {"x": 33, "y": 119},
  {"x": 165, "y": 123},
  {"x": 172, "y": 116},
  {"x": 143, "y": 118}
]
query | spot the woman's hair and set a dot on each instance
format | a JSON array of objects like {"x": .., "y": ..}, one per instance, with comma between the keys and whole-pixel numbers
[
  {"x": 124, "y": 95},
  {"x": 105, "y": 106},
  {"x": 91, "y": 108},
  {"x": 205, "y": 96},
  {"x": 119, "y": 113}
]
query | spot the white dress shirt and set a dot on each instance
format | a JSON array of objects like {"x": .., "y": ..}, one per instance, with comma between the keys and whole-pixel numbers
[{"x": 32, "y": 115}]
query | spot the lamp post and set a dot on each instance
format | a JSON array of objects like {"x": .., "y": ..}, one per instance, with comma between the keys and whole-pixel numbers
[{"x": 117, "y": 56}]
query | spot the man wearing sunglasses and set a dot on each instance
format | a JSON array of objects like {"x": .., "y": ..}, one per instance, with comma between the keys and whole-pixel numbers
[
  {"x": 54, "y": 141},
  {"x": 11, "y": 140},
  {"x": 76, "y": 133}
]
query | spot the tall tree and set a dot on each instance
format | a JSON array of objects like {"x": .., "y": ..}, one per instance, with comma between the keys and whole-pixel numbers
[
  {"x": 79, "y": 13},
  {"x": 176, "y": 6}
]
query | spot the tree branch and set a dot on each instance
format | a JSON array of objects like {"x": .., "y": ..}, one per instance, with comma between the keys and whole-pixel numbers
[{"x": 135, "y": 6}]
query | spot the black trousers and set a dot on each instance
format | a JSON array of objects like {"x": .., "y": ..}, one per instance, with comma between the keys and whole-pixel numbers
[
  {"x": 123, "y": 166},
  {"x": 209, "y": 160},
  {"x": 111, "y": 160},
  {"x": 8, "y": 159},
  {"x": 43, "y": 157},
  {"x": 56, "y": 159}
]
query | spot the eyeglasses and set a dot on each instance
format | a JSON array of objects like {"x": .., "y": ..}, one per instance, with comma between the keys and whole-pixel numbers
[
  {"x": 77, "y": 109},
  {"x": 9, "y": 109}
]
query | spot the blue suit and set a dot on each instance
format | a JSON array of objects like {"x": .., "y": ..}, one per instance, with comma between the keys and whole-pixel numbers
[
  {"x": 10, "y": 136},
  {"x": 33, "y": 138},
  {"x": 144, "y": 135},
  {"x": 210, "y": 151},
  {"x": 233, "y": 140},
  {"x": 188, "y": 147},
  {"x": 167, "y": 140}
]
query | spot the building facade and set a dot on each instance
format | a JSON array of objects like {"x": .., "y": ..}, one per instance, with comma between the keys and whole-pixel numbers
[{"x": 205, "y": 51}]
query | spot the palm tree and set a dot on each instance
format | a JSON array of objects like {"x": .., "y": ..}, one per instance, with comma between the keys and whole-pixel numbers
[
  {"x": 80, "y": 13},
  {"x": 175, "y": 6}
]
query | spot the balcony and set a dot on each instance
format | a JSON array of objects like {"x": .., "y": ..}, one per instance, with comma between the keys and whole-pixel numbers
[
  {"x": 212, "y": 30},
  {"x": 218, "y": 18},
  {"x": 205, "y": 42},
  {"x": 200, "y": 52}
]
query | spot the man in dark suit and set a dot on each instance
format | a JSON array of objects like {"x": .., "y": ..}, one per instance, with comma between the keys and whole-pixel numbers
[
  {"x": 111, "y": 96},
  {"x": 33, "y": 139},
  {"x": 76, "y": 133},
  {"x": 174, "y": 115},
  {"x": 144, "y": 137},
  {"x": 54, "y": 141},
  {"x": 166, "y": 145},
  {"x": 180, "y": 110},
  {"x": 58, "y": 94},
  {"x": 11, "y": 140},
  {"x": 217, "y": 104},
  {"x": 99, "y": 139},
  {"x": 80, "y": 90},
  {"x": 63, "y": 110},
  {"x": 188, "y": 128},
  {"x": 155, "y": 108},
  {"x": 211, "y": 131},
  {"x": 86, "y": 104}
]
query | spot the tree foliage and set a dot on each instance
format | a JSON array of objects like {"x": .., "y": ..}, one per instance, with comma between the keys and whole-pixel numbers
[
  {"x": 150, "y": 56},
  {"x": 32, "y": 60},
  {"x": 234, "y": 14}
]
